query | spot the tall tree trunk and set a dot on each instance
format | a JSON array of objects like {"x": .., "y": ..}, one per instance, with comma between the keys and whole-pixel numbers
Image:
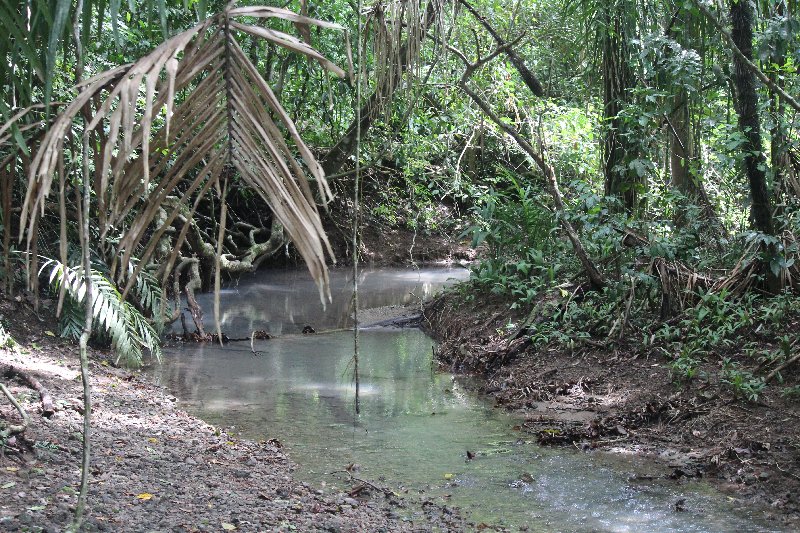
[
  {"x": 684, "y": 176},
  {"x": 755, "y": 162},
  {"x": 681, "y": 148},
  {"x": 620, "y": 181},
  {"x": 747, "y": 107}
]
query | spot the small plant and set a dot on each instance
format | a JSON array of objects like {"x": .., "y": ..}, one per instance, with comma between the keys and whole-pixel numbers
[
  {"x": 743, "y": 383},
  {"x": 6, "y": 340},
  {"x": 46, "y": 445},
  {"x": 791, "y": 392},
  {"x": 128, "y": 330},
  {"x": 686, "y": 366}
]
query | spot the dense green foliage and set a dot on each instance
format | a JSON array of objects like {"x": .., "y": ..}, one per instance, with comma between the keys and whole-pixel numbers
[
  {"x": 123, "y": 324},
  {"x": 646, "y": 113}
]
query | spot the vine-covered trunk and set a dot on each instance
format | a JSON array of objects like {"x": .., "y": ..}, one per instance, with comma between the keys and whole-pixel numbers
[
  {"x": 620, "y": 181},
  {"x": 755, "y": 162}
]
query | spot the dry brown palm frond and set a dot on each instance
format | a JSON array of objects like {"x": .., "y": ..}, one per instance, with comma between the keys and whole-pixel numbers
[
  {"x": 152, "y": 146},
  {"x": 397, "y": 29},
  {"x": 752, "y": 266}
]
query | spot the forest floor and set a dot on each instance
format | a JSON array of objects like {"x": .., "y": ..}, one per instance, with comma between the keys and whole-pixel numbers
[
  {"x": 617, "y": 400},
  {"x": 154, "y": 467}
]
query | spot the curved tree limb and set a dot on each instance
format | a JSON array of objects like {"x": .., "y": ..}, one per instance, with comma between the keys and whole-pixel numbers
[
  {"x": 47, "y": 401},
  {"x": 14, "y": 429},
  {"x": 595, "y": 277},
  {"x": 527, "y": 76}
]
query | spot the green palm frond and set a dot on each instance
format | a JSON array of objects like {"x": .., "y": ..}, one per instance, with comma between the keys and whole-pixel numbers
[
  {"x": 71, "y": 322},
  {"x": 148, "y": 294},
  {"x": 38, "y": 31},
  {"x": 129, "y": 331}
]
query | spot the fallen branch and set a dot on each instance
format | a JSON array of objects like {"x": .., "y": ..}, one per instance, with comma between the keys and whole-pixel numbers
[
  {"x": 785, "y": 365},
  {"x": 12, "y": 429},
  {"x": 47, "y": 401},
  {"x": 384, "y": 490}
]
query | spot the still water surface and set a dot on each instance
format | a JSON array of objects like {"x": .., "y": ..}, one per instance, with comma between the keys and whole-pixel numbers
[{"x": 415, "y": 425}]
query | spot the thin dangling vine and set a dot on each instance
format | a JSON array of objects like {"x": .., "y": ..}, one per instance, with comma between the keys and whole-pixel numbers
[
  {"x": 84, "y": 212},
  {"x": 357, "y": 207}
]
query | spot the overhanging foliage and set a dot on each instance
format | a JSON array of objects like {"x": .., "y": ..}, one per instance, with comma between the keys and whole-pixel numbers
[{"x": 148, "y": 145}]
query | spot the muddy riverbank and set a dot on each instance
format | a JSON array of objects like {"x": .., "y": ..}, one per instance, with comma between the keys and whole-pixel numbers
[
  {"x": 154, "y": 467},
  {"x": 598, "y": 398}
]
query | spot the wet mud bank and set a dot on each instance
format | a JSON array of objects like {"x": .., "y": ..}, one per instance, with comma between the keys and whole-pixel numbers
[{"x": 601, "y": 399}]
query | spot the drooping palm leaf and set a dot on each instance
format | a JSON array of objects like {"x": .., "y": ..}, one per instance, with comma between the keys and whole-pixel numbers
[{"x": 150, "y": 145}]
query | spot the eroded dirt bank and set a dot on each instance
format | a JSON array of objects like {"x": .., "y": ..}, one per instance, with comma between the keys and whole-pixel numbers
[
  {"x": 608, "y": 399},
  {"x": 154, "y": 467}
]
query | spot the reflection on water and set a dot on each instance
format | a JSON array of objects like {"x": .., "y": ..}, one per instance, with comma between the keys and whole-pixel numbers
[
  {"x": 416, "y": 426},
  {"x": 283, "y": 301}
]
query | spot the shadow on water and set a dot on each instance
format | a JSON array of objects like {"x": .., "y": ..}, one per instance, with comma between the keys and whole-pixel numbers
[{"x": 416, "y": 425}]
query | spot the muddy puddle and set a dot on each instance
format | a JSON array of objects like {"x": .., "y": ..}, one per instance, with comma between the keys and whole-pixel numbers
[{"x": 416, "y": 426}]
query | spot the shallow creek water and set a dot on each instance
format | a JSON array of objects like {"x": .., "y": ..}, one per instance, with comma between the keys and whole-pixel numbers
[{"x": 415, "y": 425}]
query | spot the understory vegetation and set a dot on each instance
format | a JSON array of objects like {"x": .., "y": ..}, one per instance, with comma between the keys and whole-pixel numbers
[
  {"x": 689, "y": 294},
  {"x": 629, "y": 172}
]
